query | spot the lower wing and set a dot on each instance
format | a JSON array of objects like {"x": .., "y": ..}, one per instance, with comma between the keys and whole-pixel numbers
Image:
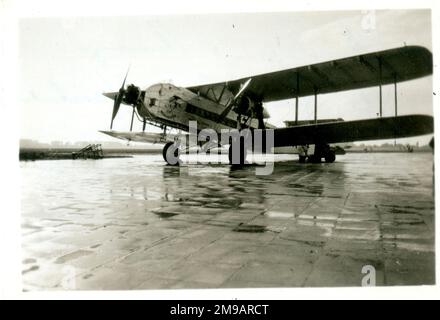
[
  {"x": 332, "y": 132},
  {"x": 358, "y": 130},
  {"x": 148, "y": 137}
]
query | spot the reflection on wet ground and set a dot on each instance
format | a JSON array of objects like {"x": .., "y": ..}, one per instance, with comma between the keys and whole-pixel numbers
[{"x": 138, "y": 224}]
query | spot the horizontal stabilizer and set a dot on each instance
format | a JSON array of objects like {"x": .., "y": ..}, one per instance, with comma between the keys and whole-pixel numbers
[{"x": 358, "y": 130}]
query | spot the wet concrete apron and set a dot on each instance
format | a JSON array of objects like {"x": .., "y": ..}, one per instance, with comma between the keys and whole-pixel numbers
[{"x": 138, "y": 224}]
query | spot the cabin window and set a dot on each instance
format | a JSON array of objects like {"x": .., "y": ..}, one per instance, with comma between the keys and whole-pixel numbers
[{"x": 209, "y": 115}]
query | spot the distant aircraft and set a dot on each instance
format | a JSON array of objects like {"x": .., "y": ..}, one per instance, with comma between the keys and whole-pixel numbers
[{"x": 239, "y": 104}]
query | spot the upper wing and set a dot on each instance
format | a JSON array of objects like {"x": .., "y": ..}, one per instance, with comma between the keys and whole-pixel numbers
[
  {"x": 358, "y": 130},
  {"x": 357, "y": 72}
]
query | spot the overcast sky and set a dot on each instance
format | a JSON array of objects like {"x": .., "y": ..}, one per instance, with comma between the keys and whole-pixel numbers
[{"x": 66, "y": 63}]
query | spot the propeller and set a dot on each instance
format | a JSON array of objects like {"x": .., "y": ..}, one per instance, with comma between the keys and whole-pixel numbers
[
  {"x": 231, "y": 102},
  {"x": 118, "y": 100}
]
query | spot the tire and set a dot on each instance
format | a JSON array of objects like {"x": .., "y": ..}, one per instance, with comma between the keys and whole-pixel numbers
[
  {"x": 330, "y": 157},
  {"x": 170, "y": 154}
]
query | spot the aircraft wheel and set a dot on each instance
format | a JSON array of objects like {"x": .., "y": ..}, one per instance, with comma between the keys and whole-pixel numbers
[
  {"x": 171, "y": 154},
  {"x": 330, "y": 157},
  {"x": 302, "y": 159}
]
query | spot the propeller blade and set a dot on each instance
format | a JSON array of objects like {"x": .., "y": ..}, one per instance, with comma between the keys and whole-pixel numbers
[
  {"x": 123, "y": 83},
  {"x": 118, "y": 99},
  {"x": 230, "y": 104},
  {"x": 246, "y": 84},
  {"x": 116, "y": 106}
]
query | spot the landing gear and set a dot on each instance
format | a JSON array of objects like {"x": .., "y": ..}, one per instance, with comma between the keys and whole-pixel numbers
[
  {"x": 239, "y": 159},
  {"x": 330, "y": 157},
  {"x": 171, "y": 154},
  {"x": 303, "y": 153},
  {"x": 321, "y": 151},
  {"x": 302, "y": 159}
]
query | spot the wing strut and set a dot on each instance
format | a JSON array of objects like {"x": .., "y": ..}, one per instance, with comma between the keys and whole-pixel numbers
[
  {"x": 395, "y": 101},
  {"x": 132, "y": 118},
  {"x": 316, "y": 106},
  {"x": 380, "y": 87},
  {"x": 297, "y": 98},
  {"x": 231, "y": 102},
  {"x": 395, "y": 95}
]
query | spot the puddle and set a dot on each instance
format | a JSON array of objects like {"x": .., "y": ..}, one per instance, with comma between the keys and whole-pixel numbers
[
  {"x": 251, "y": 228},
  {"x": 167, "y": 212},
  {"x": 217, "y": 205},
  {"x": 191, "y": 203},
  {"x": 164, "y": 214},
  {"x": 279, "y": 215},
  {"x": 275, "y": 229},
  {"x": 401, "y": 211},
  {"x": 249, "y": 205},
  {"x": 72, "y": 256},
  {"x": 33, "y": 268}
]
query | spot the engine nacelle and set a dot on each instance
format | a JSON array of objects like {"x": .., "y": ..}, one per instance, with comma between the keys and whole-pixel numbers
[
  {"x": 248, "y": 107},
  {"x": 132, "y": 94}
]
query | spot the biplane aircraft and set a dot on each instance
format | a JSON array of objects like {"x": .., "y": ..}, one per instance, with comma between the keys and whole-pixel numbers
[{"x": 239, "y": 103}]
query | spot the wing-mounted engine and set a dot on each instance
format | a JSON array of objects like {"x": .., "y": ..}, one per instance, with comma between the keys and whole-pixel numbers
[
  {"x": 244, "y": 106},
  {"x": 251, "y": 107}
]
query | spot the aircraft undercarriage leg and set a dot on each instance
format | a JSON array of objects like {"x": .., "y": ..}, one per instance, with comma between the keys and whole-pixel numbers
[
  {"x": 239, "y": 159},
  {"x": 323, "y": 151},
  {"x": 303, "y": 153}
]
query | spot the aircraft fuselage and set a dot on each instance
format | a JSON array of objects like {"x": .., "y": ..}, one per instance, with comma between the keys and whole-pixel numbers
[{"x": 176, "y": 106}]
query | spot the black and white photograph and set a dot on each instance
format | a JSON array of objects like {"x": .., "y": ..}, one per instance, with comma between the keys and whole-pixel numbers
[{"x": 226, "y": 150}]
